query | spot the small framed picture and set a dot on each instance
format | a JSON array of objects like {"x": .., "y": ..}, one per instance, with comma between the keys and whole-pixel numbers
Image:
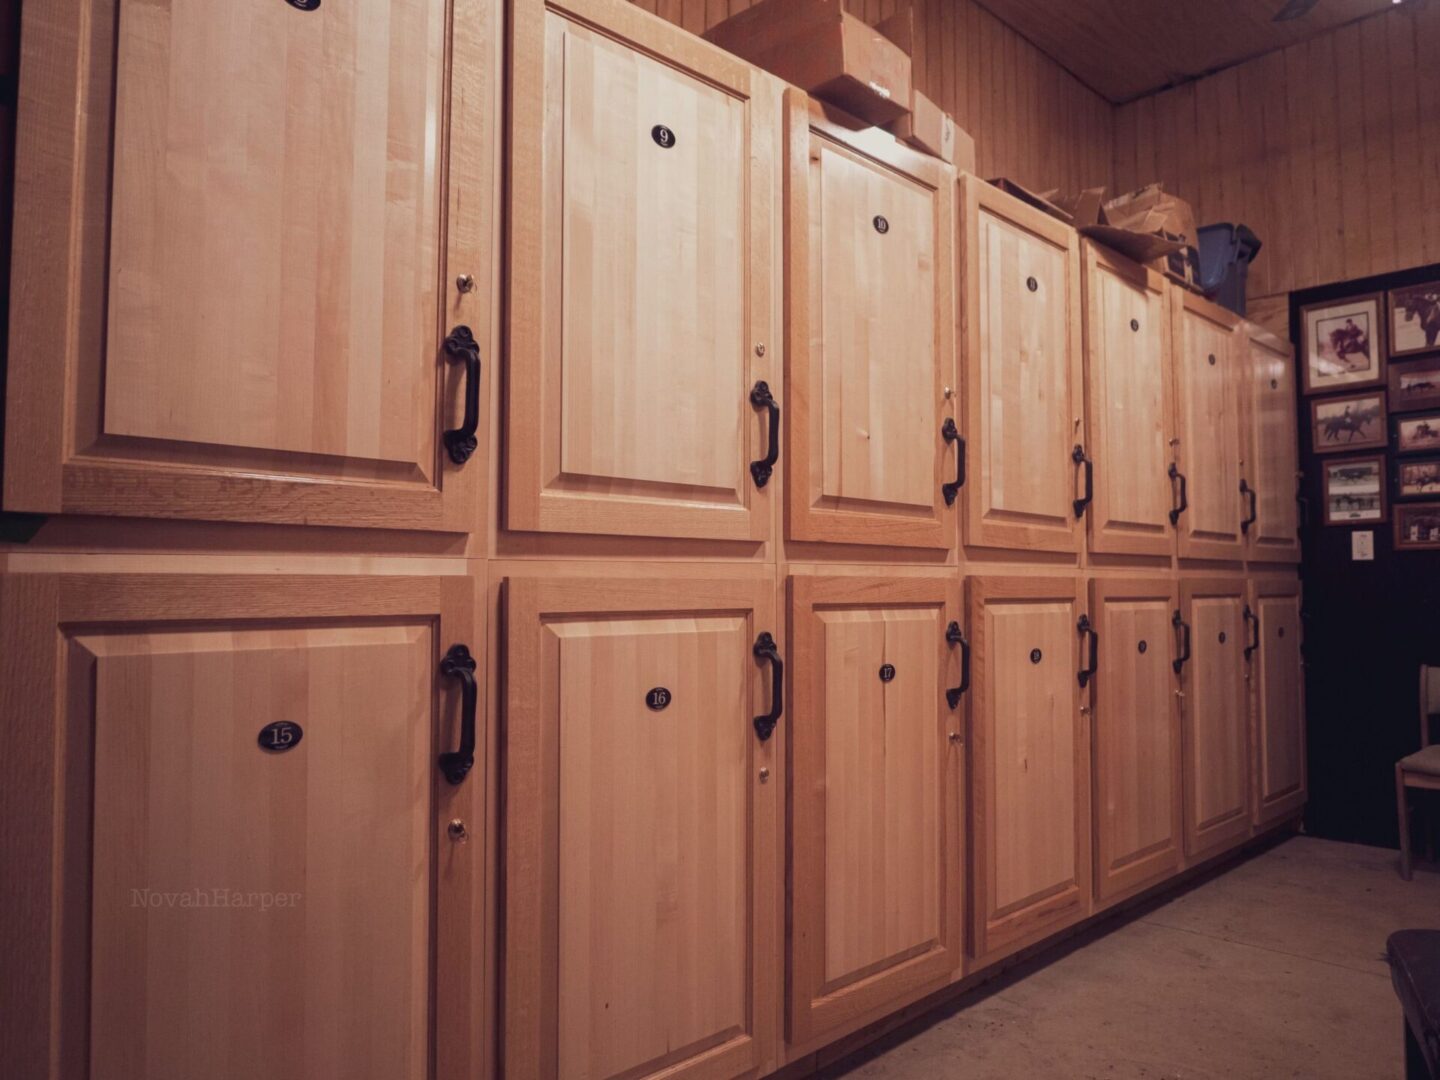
[
  {"x": 1343, "y": 347},
  {"x": 1416, "y": 434},
  {"x": 1355, "y": 490},
  {"x": 1415, "y": 319},
  {"x": 1347, "y": 423},
  {"x": 1418, "y": 478},
  {"x": 1415, "y": 385},
  {"x": 1417, "y": 525}
]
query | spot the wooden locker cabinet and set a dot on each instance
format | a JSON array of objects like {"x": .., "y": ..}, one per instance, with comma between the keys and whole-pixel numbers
[
  {"x": 1029, "y": 762},
  {"x": 1136, "y": 720},
  {"x": 643, "y": 163},
  {"x": 869, "y": 276},
  {"x": 1278, "y": 688},
  {"x": 641, "y": 868},
  {"x": 1272, "y": 463},
  {"x": 1129, "y": 396},
  {"x": 1213, "y": 680},
  {"x": 1021, "y": 343},
  {"x": 239, "y": 306},
  {"x": 876, "y": 759},
  {"x": 1210, "y": 358},
  {"x": 264, "y": 748}
]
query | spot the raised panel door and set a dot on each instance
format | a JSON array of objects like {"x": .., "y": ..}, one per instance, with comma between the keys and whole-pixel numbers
[
  {"x": 1272, "y": 460},
  {"x": 1277, "y": 671}
]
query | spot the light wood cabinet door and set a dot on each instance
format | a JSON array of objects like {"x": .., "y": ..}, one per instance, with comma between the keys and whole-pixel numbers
[
  {"x": 875, "y": 837},
  {"x": 1210, "y": 358},
  {"x": 1136, "y": 713},
  {"x": 1216, "y": 717},
  {"x": 642, "y": 169},
  {"x": 869, "y": 278},
  {"x": 1029, "y": 763},
  {"x": 1278, "y": 686},
  {"x": 1021, "y": 343},
  {"x": 642, "y": 869},
  {"x": 1128, "y": 405},
  {"x": 237, "y": 300},
  {"x": 249, "y": 870},
  {"x": 1272, "y": 462}
]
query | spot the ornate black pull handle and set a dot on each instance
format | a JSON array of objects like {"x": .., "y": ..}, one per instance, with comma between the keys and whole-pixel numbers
[
  {"x": 954, "y": 636},
  {"x": 459, "y": 664},
  {"x": 766, "y": 649},
  {"x": 1176, "y": 474},
  {"x": 1180, "y": 624},
  {"x": 761, "y": 398},
  {"x": 1245, "y": 523},
  {"x": 1254, "y": 622},
  {"x": 1087, "y": 628},
  {"x": 1078, "y": 456},
  {"x": 460, "y": 345},
  {"x": 1302, "y": 502},
  {"x": 952, "y": 434}
]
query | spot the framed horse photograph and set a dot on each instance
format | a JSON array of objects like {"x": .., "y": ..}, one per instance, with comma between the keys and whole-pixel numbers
[
  {"x": 1415, "y": 384},
  {"x": 1418, "y": 479},
  {"x": 1415, "y": 319},
  {"x": 1356, "y": 422},
  {"x": 1417, "y": 434},
  {"x": 1355, "y": 490},
  {"x": 1417, "y": 526},
  {"x": 1343, "y": 346}
]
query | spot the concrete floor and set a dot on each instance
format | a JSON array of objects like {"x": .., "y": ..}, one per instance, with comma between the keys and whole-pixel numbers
[{"x": 1274, "y": 968}]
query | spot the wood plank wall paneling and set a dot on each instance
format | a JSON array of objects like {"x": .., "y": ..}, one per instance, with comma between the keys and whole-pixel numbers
[
  {"x": 1032, "y": 121},
  {"x": 1329, "y": 150}
]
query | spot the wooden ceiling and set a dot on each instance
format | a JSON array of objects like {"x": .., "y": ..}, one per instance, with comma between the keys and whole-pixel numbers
[{"x": 1124, "y": 49}]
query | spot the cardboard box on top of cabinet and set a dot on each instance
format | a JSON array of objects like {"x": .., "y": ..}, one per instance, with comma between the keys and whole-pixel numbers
[
  {"x": 820, "y": 47},
  {"x": 930, "y": 128},
  {"x": 1147, "y": 224}
]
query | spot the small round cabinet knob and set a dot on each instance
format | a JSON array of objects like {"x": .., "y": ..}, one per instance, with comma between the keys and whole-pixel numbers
[
  {"x": 465, "y": 283},
  {"x": 457, "y": 831}
]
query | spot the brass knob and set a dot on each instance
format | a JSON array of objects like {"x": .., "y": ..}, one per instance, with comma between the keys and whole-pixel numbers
[
  {"x": 465, "y": 283},
  {"x": 954, "y": 736},
  {"x": 457, "y": 831},
  {"x": 764, "y": 774}
]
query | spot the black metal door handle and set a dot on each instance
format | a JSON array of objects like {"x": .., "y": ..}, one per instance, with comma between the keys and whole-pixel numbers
[
  {"x": 459, "y": 664},
  {"x": 1180, "y": 624},
  {"x": 1245, "y": 523},
  {"x": 460, "y": 345},
  {"x": 1078, "y": 456},
  {"x": 1302, "y": 503},
  {"x": 766, "y": 649},
  {"x": 761, "y": 398},
  {"x": 1254, "y": 623},
  {"x": 952, "y": 434},
  {"x": 955, "y": 636},
  {"x": 1088, "y": 672},
  {"x": 1176, "y": 474}
]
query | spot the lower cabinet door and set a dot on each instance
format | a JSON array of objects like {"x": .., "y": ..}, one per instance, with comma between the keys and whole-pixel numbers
[
  {"x": 251, "y": 871},
  {"x": 1137, "y": 735},
  {"x": 875, "y": 842},
  {"x": 643, "y": 787},
  {"x": 1216, "y": 720},
  {"x": 1279, "y": 685},
  {"x": 1029, "y": 763}
]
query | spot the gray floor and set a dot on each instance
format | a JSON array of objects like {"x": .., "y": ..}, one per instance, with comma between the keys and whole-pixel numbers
[{"x": 1275, "y": 968}]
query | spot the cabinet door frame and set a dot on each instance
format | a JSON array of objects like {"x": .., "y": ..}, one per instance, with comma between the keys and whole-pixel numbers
[
  {"x": 816, "y": 1008},
  {"x": 1267, "y": 540},
  {"x": 975, "y": 195},
  {"x": 532, "y": 463},
  {"x": 531, "y": 812},
  {"x": 806, "y": 121},
  {"x": 48, "y": 778},
  {"x": 1273, "y": 807},
  {"x": 58, "y": 457}
]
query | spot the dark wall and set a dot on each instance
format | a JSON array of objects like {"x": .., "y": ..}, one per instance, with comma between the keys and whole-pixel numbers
[{"x": 1368, "y": 627}]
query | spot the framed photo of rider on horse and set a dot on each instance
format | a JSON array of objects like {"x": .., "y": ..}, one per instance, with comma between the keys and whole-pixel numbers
[
  {"x": 1355, "y": 490},
  {"x": 1344, "y": 347},
  {"x": 1415, "y": 384},
  {"x": 1356, "y": 422},
  {"x": 1416, "y": 434},
  {"x": 1415, "y": 319}
]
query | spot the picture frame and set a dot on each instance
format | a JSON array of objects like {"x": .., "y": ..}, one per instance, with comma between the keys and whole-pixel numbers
[
  {"x": 1417, "y": 433},
  {"x": 1417, "y": 526},
  {"x": 1343, "y": 344},
  {"x": 1417, "y": 478},
  {"x": 1349, "y": 422},
  {"x": 1415, "y": 385},
  {"x": 1414, "y": 319},
  {"x": 1354, "y": 489}
]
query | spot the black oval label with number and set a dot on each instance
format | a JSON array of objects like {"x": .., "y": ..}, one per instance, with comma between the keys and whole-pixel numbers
[
  {"x": 1035, "y": 655},
  {"x": 1143, "y": 645},
  {"x": 1135, "y": 324},
  {"x": 663, "y": 136},
  {"x": 304, "y": 5},
  {"x": 1222, "y": 637},
  {"x": 1282, "y": 631},
  {"x": 658, "y": 698},
  {"x": 882, "y": 226},
  {"x": 280, "y": 736},
  {"x": 887, "y": 672}
]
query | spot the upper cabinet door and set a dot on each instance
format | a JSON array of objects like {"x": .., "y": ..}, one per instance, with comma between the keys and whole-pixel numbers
[
  {"x": 642, "y": 169},
  {"x": 1209, "y": 359},
  {"x": 1272, "y": 450},
  {"x": 1277, "y": 670},
  {"x": 871, "y": 336},
  {"x": 1128, "y": 402},
  {"x": 1021, "y": 343},
  {"x": 236, "y": 300},
  {"x": 875, "y": 804}
]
